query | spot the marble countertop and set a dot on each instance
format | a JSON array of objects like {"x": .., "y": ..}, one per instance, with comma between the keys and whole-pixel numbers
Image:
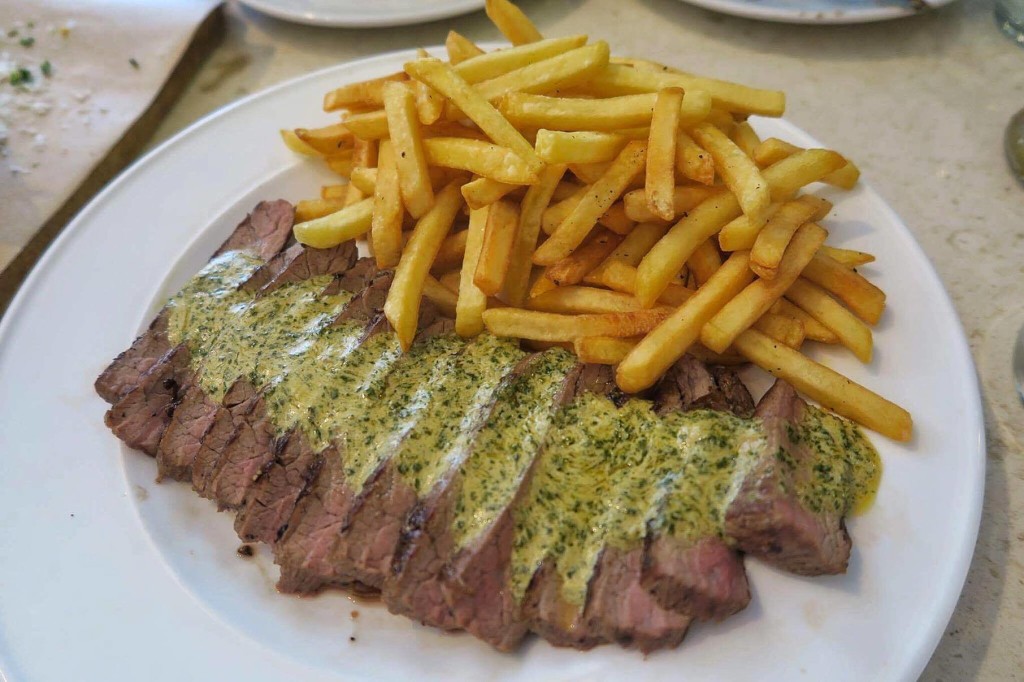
[{"x": 920, "y": 103}]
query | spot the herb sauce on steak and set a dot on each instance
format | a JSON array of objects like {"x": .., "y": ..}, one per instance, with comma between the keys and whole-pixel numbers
[{"x": 609, "y": 472}]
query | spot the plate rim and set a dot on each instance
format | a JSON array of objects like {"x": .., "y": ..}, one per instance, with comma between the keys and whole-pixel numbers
[
  {"x": 952, "y": 590},
  {"x": 451, "y": 8},
  {"x": 753, "y": 10}
]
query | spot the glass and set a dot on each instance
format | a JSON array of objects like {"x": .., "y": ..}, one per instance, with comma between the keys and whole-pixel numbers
[{"x": 1010, "y": 18}]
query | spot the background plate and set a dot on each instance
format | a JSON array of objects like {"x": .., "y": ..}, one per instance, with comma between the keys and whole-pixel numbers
[
  {"x": 105, "y": 575},
  {"x": 820, "y": 11},
  {"x": 363, "y": 13}
]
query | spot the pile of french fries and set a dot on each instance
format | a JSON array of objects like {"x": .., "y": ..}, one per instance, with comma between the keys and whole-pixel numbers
[{"x": 557, "y": 194}]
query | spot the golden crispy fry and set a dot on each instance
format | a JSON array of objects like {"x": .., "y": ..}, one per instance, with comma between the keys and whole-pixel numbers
[
  {"x": 858, "y": 294},
  {"x": 440, "y": 295},
  {"x": 661, "y": 153},
  {"x": 442, "y": 78},
  {"x": 386, "y": 227},
  {"x": 672, "y": 338},
  {"x": 334, "y": 192},
  {"x": 517, "y": 279},
  {"x": 621, "y": 276},
  {"x": 847, "y": 257},
  {"x": 669, "y": 255},
  {"x": 530, "y": 324},
  {"x": 555, "y": 213},
  {"x": 292, "y": 141},
  {"x": 429, "y": 103},
  {"x": 619, "y": 79},
  {"x": 586, "y": 146},
  {"x": 616, "y": 220},
  {"x": 612, "y": 114},
  {"x": 683, "y": 199},
  {"x": 573, "y": 268},
  {"x": 480, "y": 158},
  {"x": 630, "y": 251},
  {"x": 787, "y": 330},
  {"x": 574, "y": 229},
  {"x": 472, "y": 302},
  {"x": 484, "y": 191},
  {"x": 579, "y": 299},
  {"x": 745, "y": 138},
  {"x": 852, "y": 332},
  {"x": 710, "y": 357},
  {"x": 561, "y": 71},
  {"x": 773, "y": 150},
  {"x": 407, "y": 146},
  {"x": 826, "y": 386},
  {"x": 755, "y": 300},
  {"x": 365, "y": 178},
  {"x": 328, "y": 140},
  {"x": 499, "y": 242},
  {"x": 814, "y": 330},
  {"x": 309, "y": 209},
  {"x": 364, "y": 155},
  {"x": 460, "y": 48},
  {"x": 774, "y": 237},
  {"x": 705, "y": 261},
  {"x": 738, "y": 171},
  {"x": 603, "y": 350},
  {"x": 332, "y": 229},
  {"x": 512, "y": 23},
  {"x": 589, "y": 173},
  {"x": 402, "y": 306},
  {"x": 340, "y": 163},
  {"x": 692, "y": 161},
  {"x": 368, "y": 125},
  {"x": 452, "y": 251},
  {"x": 489, "y": 65},
  {"x": 452, "y": 279},
  {"x": 364, "y": 93}
]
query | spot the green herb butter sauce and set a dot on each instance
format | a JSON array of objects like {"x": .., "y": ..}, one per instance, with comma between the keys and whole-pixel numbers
[{"x": 582, "y": 475}]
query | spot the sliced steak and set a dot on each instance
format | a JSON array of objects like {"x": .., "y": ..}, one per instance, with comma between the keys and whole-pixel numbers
[
  {"x": 140, "y": 416},
  {"x": 767, "y": 518},
  {"x": 270, "y": 502},
  {"x": 305, "y": 551},
  {"x": 700, "y": 577},
  {"x": 231, "y": 414},
  {"x": 263, "y": 233}
]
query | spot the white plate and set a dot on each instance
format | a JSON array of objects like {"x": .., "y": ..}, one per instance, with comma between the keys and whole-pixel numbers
[
  {"x": 820, "y": 11},
  {"x": 105, "y": 575},
  {"x": 363, "y": 13}
]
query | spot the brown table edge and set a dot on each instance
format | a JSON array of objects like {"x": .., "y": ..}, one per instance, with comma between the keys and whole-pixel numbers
[{"x": 204, "y": 40}]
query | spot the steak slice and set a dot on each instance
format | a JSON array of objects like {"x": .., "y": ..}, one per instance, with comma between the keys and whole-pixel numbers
[
  {"x": 262, "y": 233},
  {"x": 314, "y": 526},
  {"x": 141, "y": 415},
  {"x": 427, "y": 542},
  {"x": 767, "y": 518},
  {"x": 700, "y": 577}
]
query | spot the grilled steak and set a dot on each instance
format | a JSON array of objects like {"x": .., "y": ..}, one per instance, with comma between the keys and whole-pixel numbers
[
  {"x": 767, "y": 517},
  {"x": 476, "y": 486},
  {"x": 263, "y": 233}
]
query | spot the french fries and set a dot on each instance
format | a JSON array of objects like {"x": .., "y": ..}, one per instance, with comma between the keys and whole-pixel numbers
[
  {"x": 402, "y": 307},
  {"x": 755, "y": 300},
  {"x": 827, "y": 386},
  {"x": 671, "y": 339},
  {"x": 496, "y": 250},
  {"x": 472, "y": 301},
  {"x": 538, "y": 326},
  {"x": 678, "y": 231},
  {"x": 661, "y": 153},
  {"x": 512, "y": 23},
  {"x": 602, "y": 194},
  {"x": 442, "y": 78}
]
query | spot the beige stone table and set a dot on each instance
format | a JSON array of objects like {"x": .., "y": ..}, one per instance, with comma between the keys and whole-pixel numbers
[{"x": 920, "y": 103}]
